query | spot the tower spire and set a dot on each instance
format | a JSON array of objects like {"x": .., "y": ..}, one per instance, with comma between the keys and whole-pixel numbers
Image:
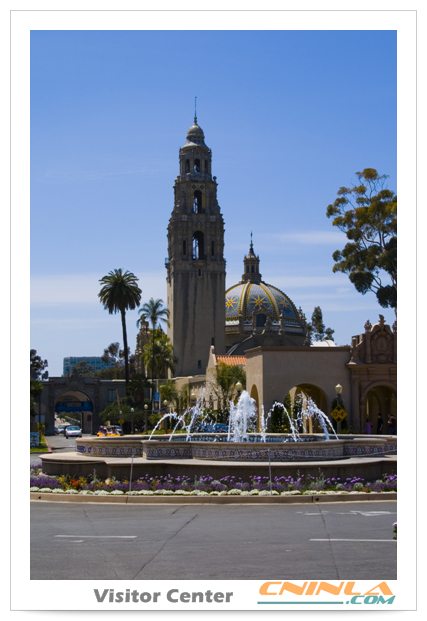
[{"x": 195, "y": 110}]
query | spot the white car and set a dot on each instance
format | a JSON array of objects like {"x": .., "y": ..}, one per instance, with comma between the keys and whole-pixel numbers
[{"x": 72, "y": 431}]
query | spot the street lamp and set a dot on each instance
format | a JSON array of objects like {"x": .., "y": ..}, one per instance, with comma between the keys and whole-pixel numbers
[
  {"x": 132, "y": 411},
  {"x": 145, "y": 418},
  {"x": 239, "y": 388},
  {"x": 338, "y": 390},
  {"x": 193, "y": 396}
]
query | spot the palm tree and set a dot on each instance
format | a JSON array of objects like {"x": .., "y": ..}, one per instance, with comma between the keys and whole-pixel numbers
[
  {"x": 163, "y": 357},
  {"x": 155, "y": 312},
  {"x": 119, "y": 293}
]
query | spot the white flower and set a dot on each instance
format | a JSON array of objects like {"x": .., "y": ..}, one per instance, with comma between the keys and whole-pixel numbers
[
  {"x": 164, "y": 492},
  {"x": 264, "y": 492},
  {"x": 87, "y": 492},
  {"x": 101, "y": 492},
  {"x": 244, "y": 493},
  {"x": 71, "y": 491},
  {"x": 45, "y": 490},
  {"x": 182, "y": 492},
  {"x": 117, "y": 492},
  {"x": 132, "y": 493},
  {"x": 234, "y": 492},
  {"x": 145, "y": 492},
  {"x": 195, "y": 492},
  {"x": 34, "y": 489},
  {"x": 202, "y": 493},
  {"x": 58, "y": 491},
  {"x": 254, "y": 492}
]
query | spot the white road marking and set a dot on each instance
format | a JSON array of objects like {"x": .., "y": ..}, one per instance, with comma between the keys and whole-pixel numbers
[
  {"x": 388, "y": 540},
  {"x": 100, "y": 536}
]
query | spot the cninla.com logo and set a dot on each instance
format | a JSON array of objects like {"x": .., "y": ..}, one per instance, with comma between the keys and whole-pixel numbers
[{"x": 316, "y": 592}]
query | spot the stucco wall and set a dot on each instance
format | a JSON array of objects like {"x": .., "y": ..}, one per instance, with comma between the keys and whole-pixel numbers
[{"x": 275, "y": 371}]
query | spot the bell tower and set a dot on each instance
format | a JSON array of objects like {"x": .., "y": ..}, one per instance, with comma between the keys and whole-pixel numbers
[{"x": 195, "y": 264}]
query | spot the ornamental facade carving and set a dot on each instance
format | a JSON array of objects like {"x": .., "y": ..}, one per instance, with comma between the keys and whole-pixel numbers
[{"x": 378, "y": 344}]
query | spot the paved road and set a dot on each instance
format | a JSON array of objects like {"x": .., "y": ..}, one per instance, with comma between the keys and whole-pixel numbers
[{"x": 231, "y": 542}]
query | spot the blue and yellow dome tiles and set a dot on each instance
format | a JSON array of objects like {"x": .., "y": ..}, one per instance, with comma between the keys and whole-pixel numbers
[{"x": 245, "y": 298}]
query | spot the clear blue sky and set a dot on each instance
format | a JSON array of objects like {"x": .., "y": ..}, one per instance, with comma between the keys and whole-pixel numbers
[{"x": 290, "y": 116}]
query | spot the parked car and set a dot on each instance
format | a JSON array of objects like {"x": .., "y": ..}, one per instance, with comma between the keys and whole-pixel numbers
[
  {"x": 60, "y": 429},
  {"x": 72, "y": 431}
]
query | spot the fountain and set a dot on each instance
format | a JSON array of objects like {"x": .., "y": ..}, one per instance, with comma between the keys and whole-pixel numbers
[{"x": 241, "y": 450}]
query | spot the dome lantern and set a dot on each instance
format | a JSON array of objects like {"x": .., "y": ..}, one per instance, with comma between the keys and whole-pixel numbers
[{"x": 251, "y": 266}]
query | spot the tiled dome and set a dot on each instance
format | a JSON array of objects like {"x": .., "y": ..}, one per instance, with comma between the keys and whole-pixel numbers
[{"x": 245, "y": 298}]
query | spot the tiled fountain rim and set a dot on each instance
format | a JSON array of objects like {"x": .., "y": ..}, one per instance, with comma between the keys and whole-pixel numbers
[{"x": 161, "y": 448}]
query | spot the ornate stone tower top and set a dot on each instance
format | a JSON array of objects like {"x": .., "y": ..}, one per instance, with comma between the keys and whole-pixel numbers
[{"x": 251, "y": 266}]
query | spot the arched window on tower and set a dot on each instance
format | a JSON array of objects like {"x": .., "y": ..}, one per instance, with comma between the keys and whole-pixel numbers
[
  {"x": 198, "y": 246},
  {"x": 213, "y": 248},
  {"x": 184, "y": 247},
  {"x": 187, "y": 166},
  {"x": 252, "y": 269},
  {"x": 197, "y": 202},
  {"x": 206, "y": 167},
  {"x": 247, "y": 269},
  {"x": 197, "y": 166}
]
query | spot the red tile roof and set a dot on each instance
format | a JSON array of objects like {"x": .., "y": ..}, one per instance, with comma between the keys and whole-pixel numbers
[{"x": 232, "y": 360}]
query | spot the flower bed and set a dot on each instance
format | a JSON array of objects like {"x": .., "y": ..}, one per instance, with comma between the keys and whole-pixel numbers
[{"x": 204, "y": 486}]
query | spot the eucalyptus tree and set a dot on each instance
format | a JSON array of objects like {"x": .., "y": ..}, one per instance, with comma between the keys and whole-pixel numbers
[{"x": 367, "y": 214}]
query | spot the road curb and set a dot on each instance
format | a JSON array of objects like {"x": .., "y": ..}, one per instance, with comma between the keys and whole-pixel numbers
[{"x": 212, "y": 500}]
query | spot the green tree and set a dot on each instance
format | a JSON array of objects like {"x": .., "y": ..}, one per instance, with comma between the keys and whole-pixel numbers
[
  {"x": 137, "y": 385},
  {"x": 159, "y": 352},
  {"x": 36, "y": 389},
  {"x": 224, "y": 386},
  {"x": 317, "y": 327},
  {"x": 155, "y": 312},
  {"x": 169, "y": 392},
  {"x": 82, "y": 369},
  {"x": 37, "y": 373},
  {"x": 115, "y": 355},
  {"x": 367, "y": 213},
  {"x": 119, "y": 293},
  {"x": 37, "y": 366},
  {"x": 112, "y": 413}
]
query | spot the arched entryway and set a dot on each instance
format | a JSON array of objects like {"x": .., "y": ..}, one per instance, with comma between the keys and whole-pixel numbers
[
  {"x": 76, "y": 407},
  {"x": 379, "y": 398},
  {"x": 298, "y": 396}
]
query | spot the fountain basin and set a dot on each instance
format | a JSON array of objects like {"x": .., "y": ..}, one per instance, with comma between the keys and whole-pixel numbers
[{"x": 213, "y": 447}]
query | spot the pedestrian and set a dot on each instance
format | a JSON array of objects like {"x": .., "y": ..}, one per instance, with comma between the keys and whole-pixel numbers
[
  {"x": 392, "y": 427},
  {"x": 368, "y": 426},
  {"x": 380, "y": 423}
]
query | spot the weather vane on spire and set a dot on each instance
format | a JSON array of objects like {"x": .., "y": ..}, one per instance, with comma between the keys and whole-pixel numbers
[
  {"x": 195, "y": 109},
  {"x": 252, "y": 246}
]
